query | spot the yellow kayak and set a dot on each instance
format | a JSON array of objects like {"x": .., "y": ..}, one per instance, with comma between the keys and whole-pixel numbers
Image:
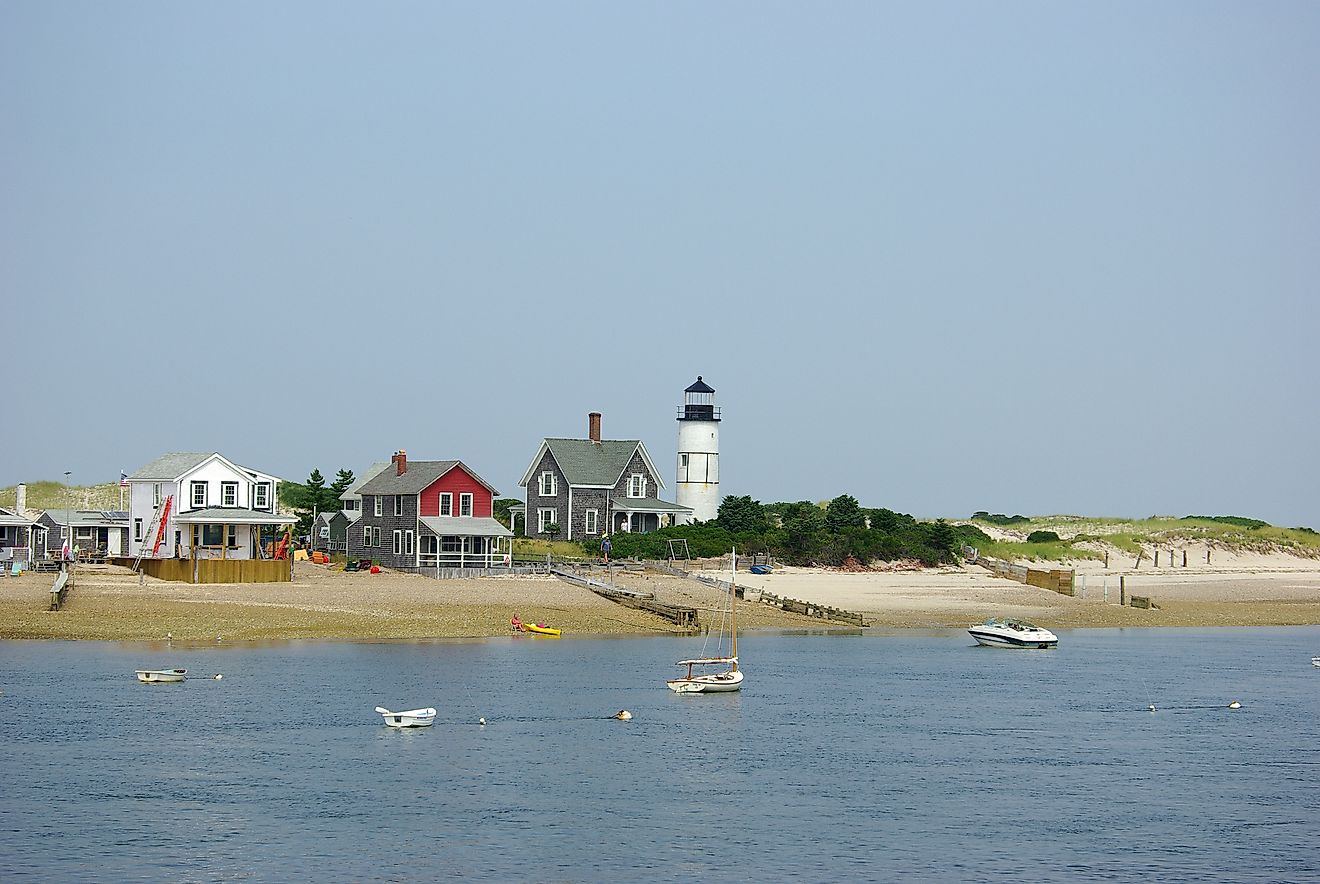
[{"x": 540, "y": 629}]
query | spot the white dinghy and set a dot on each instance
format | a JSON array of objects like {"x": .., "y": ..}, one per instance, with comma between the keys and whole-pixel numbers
[
  {"x": 161, "y": 676},
  {"x": 411, "y": 718}
]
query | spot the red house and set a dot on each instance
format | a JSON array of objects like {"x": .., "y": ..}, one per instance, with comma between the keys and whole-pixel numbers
[{"x": 429, "y": 514}]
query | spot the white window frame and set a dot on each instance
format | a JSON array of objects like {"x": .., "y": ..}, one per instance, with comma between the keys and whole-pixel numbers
[
  {"x": 465, "y": 504},
  {"x": 446, "y": 503},
  {"x": 225, "y": 489},
  {"x": 549, "y": 478},
  {"x": 398, "y": 504},
  {"x": 231, "y": 536},
  {"x": 380, "y": 504},
  {"x": 83, "y": 532},
  {"x": 261, "y": 496},
  {"x": 193, "y": 488},
  {"x": 398, "y": 542},
  {"x": 407, "y": 543},
  {"x": 637, "y": 485},
  {"x": 137, "y": 530},
  {"x": 542, "y": 521},
  {"x": 591, "y": 521},
  {"x": 155, "y": 501},
  {"x": 4, "y": 532}
]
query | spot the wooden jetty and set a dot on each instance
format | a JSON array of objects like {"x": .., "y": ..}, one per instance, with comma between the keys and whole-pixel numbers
[{"x": 644, "y": 601}]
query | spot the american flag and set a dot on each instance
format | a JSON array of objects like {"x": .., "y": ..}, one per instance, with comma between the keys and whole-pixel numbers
[{"x": 123, "y": 479}]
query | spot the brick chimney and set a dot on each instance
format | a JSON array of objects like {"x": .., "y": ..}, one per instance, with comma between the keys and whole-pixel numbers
[
  {"x": 400, "y": 461},
  {"x": 593, "y": 426}
]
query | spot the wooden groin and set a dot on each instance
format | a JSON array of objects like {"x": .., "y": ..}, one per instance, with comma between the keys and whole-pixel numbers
[
  {"x": 811, "y": 609},
  {"x": 644, "y": 601},
  {"x": 214, "y": 570},
  {"x": 60, "y": 591}
]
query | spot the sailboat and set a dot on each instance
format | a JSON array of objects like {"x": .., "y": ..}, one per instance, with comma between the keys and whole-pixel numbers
[{"x": 731, "y": 678}]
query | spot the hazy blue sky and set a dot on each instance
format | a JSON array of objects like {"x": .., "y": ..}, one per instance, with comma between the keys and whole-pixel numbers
[{"x": 1024, "y": 257}]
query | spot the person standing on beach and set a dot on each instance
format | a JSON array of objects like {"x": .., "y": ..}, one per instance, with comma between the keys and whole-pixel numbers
[{"x": 605, "y": 549}]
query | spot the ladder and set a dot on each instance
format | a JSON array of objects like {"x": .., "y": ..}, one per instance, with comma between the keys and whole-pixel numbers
[{"x": 155, "y": 530}]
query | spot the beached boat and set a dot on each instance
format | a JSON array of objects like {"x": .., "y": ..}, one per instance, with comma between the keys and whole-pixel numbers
[
  {"x": 161, "y": 676},
  {"x": 730, "y": 678},
  {"x": 533, "y": 628},
  {"x": 1315, "y": 661},
  {"x": 1010, "y": 633},
  {"x": 411, "y": 718},
  {"x": 539, "y": 629}
]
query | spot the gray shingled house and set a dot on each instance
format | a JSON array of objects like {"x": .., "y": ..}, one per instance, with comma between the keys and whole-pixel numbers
[{"x": 579, "y": 489}]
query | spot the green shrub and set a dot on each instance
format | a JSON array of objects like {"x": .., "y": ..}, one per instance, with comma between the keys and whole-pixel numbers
[{"x": 1042, "y": 537}]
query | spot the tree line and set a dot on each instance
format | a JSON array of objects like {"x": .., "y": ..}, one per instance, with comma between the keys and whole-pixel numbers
[{"x": 805, "y": 533}]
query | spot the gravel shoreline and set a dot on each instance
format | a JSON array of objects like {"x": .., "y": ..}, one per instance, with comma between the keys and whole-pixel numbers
[{"x": 109, "y": 603}]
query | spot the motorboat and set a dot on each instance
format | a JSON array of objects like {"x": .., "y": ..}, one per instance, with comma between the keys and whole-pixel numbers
[
  {"x": 411, "y": 718},
  {"x": 1010, "y": 633},
  {"x": 1315, "y": 661},
  {"x": 161, "y": 676}
]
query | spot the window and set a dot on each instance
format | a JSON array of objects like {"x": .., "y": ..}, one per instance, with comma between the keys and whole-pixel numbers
[
  {"x": 636, "y": 485},
  {"x": 545, "y": 517},
  {"x": 81, "y": 533},
  {"x": 549, "y": 487},
  {"x": 64, "y": 532},
  {"x": 398, "y": 543},
  {"x": 591, "y": 516},
  {"x": 451, "y": 544},
  {"x": 261, "y": 496},
  {"x": 198, "y": 494},
  {"x": 232, "y": 540},
  {"x": 446, "y": 503},
  {"x": 229, "y": 494},
  {"x": 155, "y": 498},
  {"x": 398, "y": 504},
  {"x": 213, "y": 535},
  {"x": 682, "y": 461},
  {"x": 350, "y": 506},
  {"x": 465, "y": 504},
  {"x": 4, "y": 532},
  {"x": 407, "y": 543},
  {"x": 379, "y": 506},
  {"x": 137, "y": 529}
]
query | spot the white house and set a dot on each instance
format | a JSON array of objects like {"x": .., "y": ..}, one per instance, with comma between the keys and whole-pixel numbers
[{"x": 209, "y": 504}]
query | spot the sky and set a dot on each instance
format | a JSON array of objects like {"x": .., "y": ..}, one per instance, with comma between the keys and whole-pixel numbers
[{"x": 1023, "y": 257}]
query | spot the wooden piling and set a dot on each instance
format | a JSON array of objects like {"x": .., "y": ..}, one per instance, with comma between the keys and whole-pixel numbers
[
  {"x": 1184, "y": 558},
  {"x": 1106, "y": 560},
  {"x": 1157, "y": 558},
  {"x": 1122, "y": 591}
]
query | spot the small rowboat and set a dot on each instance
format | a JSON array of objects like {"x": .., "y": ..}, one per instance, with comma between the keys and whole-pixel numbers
[
  {"x": 161, "y": 676},
  {"x": 540, "y": 629},
  {"x": 411, "y": 718}
]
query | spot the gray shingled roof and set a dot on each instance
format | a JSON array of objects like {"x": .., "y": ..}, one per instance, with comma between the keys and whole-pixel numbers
[
  {"x": 646, "y": 505},
  {"x": 171, "y": 466},
  {"x": 235, "y": 516},
  {"x": 85, "y": 518},
  {"x": 584, "y": 462},
  {"x": 420, "y": 474}
]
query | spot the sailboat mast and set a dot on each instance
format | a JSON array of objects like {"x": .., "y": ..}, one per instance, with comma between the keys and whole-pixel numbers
[{"x": 733, "y": 607}]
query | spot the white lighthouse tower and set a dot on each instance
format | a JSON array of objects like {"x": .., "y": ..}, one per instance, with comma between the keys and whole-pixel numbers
[{"x": 698, "y": 484}]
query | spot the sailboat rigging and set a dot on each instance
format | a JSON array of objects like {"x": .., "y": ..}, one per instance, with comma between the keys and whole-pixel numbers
[{"x": 731, "y": 678}]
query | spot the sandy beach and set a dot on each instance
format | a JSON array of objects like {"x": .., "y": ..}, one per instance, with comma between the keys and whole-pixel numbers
[{"x": 109, "y": 603}]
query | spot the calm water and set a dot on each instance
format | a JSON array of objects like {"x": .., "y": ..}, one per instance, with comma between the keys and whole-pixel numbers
[{"x": 846, "y": 757}]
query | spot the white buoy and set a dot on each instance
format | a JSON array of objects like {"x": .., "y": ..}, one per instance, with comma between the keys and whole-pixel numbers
[
  {"x": 623, "y": 715},
  {"x": 218, "y": 676},
  {"x": 1152, "y": 707},
  {"x": 1235, "y": 705},
  {"x": 481, "y": 721}
]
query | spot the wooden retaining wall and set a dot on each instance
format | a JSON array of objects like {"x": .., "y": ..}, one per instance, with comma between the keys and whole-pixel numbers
[
  {"x": 1056, "y": 581},
  {"x": 215, "y": 570},
  {"x": 811, "y": 609}
]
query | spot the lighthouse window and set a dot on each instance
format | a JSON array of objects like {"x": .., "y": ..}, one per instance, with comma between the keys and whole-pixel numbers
[{"x": 682, "y": 461}]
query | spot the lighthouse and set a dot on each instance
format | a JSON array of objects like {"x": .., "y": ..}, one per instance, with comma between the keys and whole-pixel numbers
[{"x": 698, "y": 484}]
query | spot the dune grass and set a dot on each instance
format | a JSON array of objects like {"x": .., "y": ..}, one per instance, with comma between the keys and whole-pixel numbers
[{"x": 57, "y": 496}]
